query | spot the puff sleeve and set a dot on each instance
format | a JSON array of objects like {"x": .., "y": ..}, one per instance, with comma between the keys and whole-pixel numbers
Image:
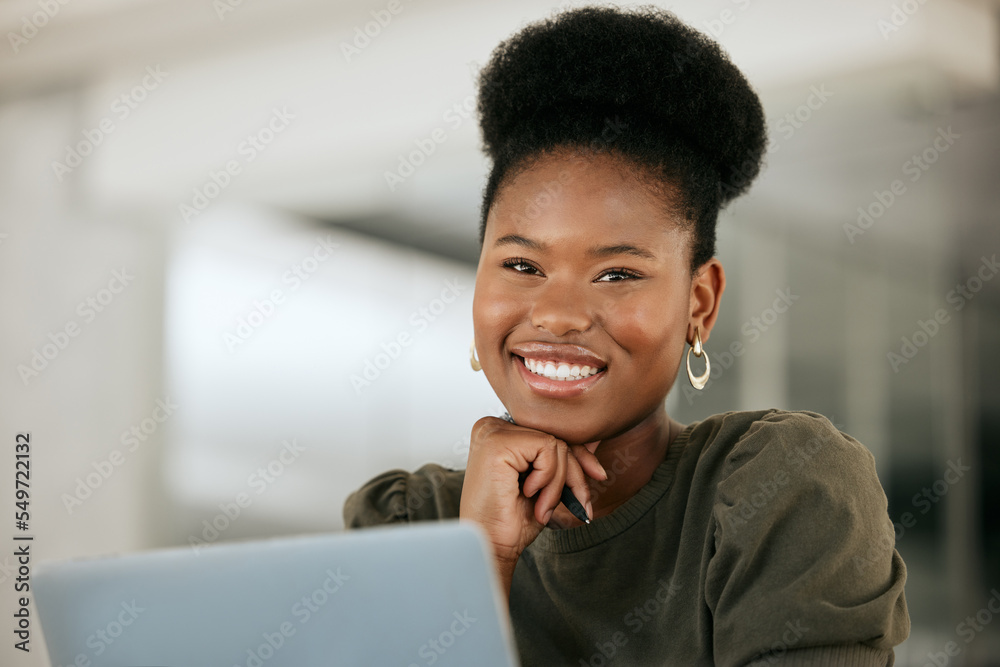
[
  {"x": 429, "y": 493},
  {"x": 804, "y": 569}
]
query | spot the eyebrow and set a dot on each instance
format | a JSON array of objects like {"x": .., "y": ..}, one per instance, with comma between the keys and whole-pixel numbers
[{"x": 599, "y": 251}]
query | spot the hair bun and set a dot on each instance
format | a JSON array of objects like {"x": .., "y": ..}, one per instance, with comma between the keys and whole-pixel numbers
[{"x": 682, "y": 102}]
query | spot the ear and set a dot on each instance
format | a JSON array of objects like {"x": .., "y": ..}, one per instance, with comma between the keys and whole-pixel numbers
[{"x": 707, "y": 287}]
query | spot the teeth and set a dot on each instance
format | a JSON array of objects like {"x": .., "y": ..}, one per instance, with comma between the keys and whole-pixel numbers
[{"x": 559, "y": 370}]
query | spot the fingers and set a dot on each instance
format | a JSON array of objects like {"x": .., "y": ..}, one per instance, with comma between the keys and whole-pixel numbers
[
  {"x": 559, "y": 466},
  {"x": 547, "y": 464},
  {"x": 550, "y": 496},
  {"x": 547, "y": 478},
  {"x": 577, "y": 483},
  {"x": 588, "y": 461}
]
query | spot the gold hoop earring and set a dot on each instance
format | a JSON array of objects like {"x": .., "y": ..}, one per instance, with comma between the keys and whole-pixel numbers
[
  {"x": 700, "y": 381},
  {"x": 472, "y": 357}
]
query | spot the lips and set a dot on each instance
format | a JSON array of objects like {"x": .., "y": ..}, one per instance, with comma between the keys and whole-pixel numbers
[
  {"x": 559, "y": 371},
  {"x": 571, "y": 355}
]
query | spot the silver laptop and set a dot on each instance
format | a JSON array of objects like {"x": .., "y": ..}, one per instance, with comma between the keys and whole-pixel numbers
[{"x": 408, "y": 595}]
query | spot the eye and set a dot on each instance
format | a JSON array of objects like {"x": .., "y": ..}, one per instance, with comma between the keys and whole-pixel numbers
[
  {"x": 520, "y": 265},
  {"x": 618, "y": 275}
]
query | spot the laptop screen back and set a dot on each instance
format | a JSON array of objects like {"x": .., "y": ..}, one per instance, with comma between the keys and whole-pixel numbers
[{"x": 408, "y": 595}]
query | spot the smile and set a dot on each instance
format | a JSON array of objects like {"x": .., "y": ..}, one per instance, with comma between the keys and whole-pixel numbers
[
  {"x": 554, "y": 379},
  {"x": 555, "y": 370}
]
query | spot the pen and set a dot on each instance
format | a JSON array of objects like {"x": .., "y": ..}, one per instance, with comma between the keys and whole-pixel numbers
[{"x": 568, "y": 499}]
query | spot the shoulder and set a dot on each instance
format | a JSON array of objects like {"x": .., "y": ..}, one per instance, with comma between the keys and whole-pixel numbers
[
  {"x": 776, "y": 465},
  {"x": 802, "y": 534},
  {"x": 428, "y": 493},
  {"x": 746, "y": 444}
]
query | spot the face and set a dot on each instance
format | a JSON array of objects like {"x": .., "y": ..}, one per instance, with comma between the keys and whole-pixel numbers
[{"x": 583, "y": 297}]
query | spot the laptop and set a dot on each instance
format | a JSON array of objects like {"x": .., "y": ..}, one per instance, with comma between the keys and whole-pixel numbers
[{"x": 406, "y": 594}]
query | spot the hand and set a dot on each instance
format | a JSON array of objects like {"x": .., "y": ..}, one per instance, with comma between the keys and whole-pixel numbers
[{"x": 498, "y": 452}]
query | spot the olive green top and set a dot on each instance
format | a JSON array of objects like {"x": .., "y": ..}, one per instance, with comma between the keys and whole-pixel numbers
[{"x": 762, "y": 536}]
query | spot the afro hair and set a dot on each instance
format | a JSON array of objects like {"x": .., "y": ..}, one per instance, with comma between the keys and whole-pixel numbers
[{"x": 679, "y": 109}]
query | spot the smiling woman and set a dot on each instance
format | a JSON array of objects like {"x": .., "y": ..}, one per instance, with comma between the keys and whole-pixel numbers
[
  {"x": 746, "y": 537},
  {"x": 600, "y": 279}
]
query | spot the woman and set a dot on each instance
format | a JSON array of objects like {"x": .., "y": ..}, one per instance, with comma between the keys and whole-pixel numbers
[{"x": 616, "y": 137}]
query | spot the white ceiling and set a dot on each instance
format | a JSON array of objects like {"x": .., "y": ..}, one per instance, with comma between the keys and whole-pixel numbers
[{"x": 352, "y": 120}]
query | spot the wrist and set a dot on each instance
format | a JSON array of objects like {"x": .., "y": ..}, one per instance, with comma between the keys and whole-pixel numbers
[
  {"x": 505, "y": 567},
  {"x": 505, "y": 574}
]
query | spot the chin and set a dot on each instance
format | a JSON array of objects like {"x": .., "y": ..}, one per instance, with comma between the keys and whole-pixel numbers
[{"x": 562, "y": 424}]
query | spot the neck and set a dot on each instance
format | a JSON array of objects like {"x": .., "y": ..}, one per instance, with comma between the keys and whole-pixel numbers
[{"x": 630, "y": 460}]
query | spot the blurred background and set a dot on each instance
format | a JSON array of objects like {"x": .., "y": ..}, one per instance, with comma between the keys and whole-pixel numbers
[{"x": 238, "y": 243}]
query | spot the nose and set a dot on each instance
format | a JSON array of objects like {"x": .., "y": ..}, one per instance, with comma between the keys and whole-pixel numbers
[{"x": 560, "y": 308}]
